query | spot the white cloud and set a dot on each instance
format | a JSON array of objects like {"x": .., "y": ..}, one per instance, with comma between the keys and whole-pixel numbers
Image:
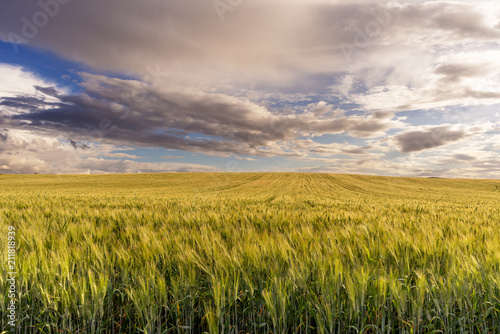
[
  {"x": 16, "y": 81},
  {"x": 26, "y": 152}
]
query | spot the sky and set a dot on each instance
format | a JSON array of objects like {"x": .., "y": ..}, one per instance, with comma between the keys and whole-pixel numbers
[{"x": 401, "y": 88}]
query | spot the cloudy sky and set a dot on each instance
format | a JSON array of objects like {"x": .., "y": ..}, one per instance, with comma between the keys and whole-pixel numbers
[{"x": 407, "y": 88}]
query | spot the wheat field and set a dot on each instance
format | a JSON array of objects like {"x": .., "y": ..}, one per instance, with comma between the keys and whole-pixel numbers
[{"x": 252, "y": 253}]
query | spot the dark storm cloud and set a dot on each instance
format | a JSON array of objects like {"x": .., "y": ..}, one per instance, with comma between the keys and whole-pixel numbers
[
  {"x": 128, "y": 111},
  {"x": 24, "y": 102},
  {"x": 51, "y": 91},
  {"x": 414, "y": 141},
  {"x": 76, "y": 145}
]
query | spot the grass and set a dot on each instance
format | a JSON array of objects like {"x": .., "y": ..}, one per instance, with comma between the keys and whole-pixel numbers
[{"x": 253, "y": 253}]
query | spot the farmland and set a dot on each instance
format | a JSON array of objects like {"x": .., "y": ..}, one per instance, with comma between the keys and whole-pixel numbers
[{"x": 252, "y": 253}]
